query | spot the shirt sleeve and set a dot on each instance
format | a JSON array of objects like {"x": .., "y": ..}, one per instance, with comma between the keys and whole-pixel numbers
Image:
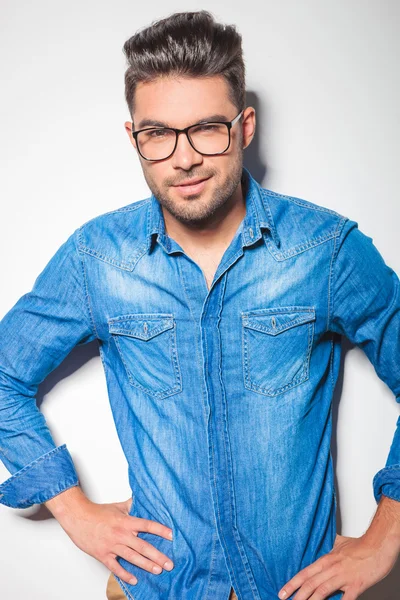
[
  {"x": 365, "y": 308},
  {"x": 36, "y": 334}
]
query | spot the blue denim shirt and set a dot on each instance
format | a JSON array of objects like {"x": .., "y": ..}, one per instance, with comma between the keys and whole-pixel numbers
[{"x": 222, "y": 396}]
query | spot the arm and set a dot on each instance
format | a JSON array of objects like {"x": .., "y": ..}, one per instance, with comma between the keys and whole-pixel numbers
[
  {"x": 364, "y": 306},
  {"x": 36, "y": 334}
]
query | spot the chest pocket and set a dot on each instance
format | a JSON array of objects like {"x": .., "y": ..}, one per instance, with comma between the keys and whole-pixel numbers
[
  {"x": 276, "y": 348},
  {"x": 146, "y": 343}
]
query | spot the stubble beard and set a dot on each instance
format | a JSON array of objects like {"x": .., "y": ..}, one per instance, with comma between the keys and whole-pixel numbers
[{"x": 198, "y": 209}]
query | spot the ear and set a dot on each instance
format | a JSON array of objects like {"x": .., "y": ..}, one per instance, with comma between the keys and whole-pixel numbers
[{"x": 128, "y": 128}]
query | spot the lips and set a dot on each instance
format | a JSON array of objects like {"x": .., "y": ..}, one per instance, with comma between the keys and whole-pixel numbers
[{"x": 191, "y": 182}]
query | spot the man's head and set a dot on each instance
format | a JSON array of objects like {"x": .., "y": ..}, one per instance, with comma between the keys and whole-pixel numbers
[{"x": 182, "y": 70}]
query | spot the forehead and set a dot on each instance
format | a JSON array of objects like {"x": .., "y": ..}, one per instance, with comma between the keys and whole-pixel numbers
[{"x": 181, "y": 101}]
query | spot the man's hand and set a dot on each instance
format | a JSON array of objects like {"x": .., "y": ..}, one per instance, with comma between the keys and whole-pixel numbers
[
  {"x": 105, "y": 531},
  {"x": 353, "y": 565}
]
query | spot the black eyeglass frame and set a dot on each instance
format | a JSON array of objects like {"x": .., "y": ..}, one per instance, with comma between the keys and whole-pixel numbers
[{"x": 229, "y": 125}]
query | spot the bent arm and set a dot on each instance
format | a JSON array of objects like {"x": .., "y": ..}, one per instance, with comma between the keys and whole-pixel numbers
[{"x": 36, "y": 334}]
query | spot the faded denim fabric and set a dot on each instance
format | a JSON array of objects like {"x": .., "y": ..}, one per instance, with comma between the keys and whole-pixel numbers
[{"x": 222, "y": 397}]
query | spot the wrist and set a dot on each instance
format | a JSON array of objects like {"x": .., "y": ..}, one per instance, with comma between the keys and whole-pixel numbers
[
  {"x": 383, "y": 533},
  {"x": 66, "y": 502}
]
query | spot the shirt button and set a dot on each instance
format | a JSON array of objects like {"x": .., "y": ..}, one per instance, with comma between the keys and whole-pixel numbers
[{"x": 251, "y": 232}]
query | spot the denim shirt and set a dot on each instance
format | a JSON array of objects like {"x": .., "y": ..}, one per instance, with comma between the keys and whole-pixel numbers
[{"x": 221, "y": 397}]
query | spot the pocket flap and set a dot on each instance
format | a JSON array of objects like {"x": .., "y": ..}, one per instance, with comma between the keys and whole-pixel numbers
[
  {"x": 142, "y": 326},
  {"x": 273, "y": 322}
]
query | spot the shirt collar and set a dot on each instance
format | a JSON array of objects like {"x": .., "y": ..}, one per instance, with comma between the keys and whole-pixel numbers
[{"x": 258, "y": 216}]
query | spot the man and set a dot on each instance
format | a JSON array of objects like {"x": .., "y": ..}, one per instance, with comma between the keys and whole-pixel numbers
[{"x": 219, "y": 307}]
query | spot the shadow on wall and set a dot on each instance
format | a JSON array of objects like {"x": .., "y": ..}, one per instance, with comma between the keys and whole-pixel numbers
[
  {"x": 78, "y": 357},
  {"x": 252, "y": 159}
]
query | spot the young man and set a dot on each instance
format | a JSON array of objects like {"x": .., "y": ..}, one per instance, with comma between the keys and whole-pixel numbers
[{"x": 219, "y": 307}]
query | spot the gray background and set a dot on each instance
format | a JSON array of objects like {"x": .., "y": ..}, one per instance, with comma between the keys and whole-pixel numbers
[{"x": 323, "y": 77}]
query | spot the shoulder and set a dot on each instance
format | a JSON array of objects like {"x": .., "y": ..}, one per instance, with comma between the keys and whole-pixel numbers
[
  {"x": 301, "y": 224},
  {"x": 113, "y": 236}
]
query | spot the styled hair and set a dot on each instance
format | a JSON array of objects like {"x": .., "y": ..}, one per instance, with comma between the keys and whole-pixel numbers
[{"x": 188, "y": 44}]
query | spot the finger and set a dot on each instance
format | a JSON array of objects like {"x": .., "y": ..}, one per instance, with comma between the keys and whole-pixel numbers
[
  {"x": 302, "y": 576},
  {"x": 145, "y": 556},
  {"x": 327, "y": 588},
  {"x": 114, "y": 566},
  {"x": 312, "y": 583},
  {"x": 150, "y": 526}
]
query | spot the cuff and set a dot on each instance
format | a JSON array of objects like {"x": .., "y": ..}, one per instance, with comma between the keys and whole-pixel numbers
[
  {"x": 387, "y": 482},
  {"x": 40, "y": 480}
]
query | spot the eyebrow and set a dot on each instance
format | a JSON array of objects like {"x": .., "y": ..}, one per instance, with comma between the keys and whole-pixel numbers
[{"x": 153, "y": 123}]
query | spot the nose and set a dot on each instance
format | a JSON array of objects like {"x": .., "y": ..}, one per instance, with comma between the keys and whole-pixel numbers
[{"x": 185, "y": 155}]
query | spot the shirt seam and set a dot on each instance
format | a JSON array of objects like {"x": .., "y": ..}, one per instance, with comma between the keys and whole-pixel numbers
[
  {"x": 27, "y": 467},
  {"x": 335, "y": 252},
  {"x": 85, "y": 288}
]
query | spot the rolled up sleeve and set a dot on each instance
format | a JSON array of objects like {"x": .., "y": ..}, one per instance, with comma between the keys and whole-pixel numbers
[
  {"x": 36, "y": 334},
  {"x": 365, "y": 308}
]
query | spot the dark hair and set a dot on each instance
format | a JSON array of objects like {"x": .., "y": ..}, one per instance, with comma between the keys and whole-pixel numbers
[{"x": 186, "y": 44}]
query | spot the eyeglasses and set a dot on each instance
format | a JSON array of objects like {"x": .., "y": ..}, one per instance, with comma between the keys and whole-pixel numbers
[{"x": 207, "y": 138}]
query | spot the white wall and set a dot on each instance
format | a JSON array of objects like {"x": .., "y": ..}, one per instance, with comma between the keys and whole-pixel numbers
[{"x": 323, "y": 77}]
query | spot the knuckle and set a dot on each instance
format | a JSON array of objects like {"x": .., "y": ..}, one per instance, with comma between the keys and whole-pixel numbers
[
  {"x": 109, "y": 563},
  {"x": 323, "y": 590},
  {"x": 309, "y": 586},
  {"x": 141, "y": 546}
]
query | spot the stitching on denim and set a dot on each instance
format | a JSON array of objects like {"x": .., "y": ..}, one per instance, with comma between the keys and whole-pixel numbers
[
  {"x": 228, "y": 458},
  {"x": 161, "y": 394},
  {"x": 27, "y": 503},
  {"x": 278, "y": 309},
  {"x": 127, "y": 266},
  {"x": 214, "y": 482},
  {"x": 31, "y": 464},
  {"x": 85, "y": 287},
  {"x": 212, "y": 559},
  {"x": 271, "y": 223},
  {"x": 301, "y": 378},
  {"x": 116, "y": 263},
  {"x": 335, "y": 251},
  {"x": 194, "y": 321},
  {"x": 142, "y": 336},
  {"x": 213, "y": 551},
  {"x": 304, "y": 203},
  {"x": 218, "y": 332},
  {"x": 140, "y": 317},
  {"x": 224, "y": 267},
  {"x": 316, "y": 241},
  {"x": 124, "y": 588},
  {"x": 302, "y": 319}
]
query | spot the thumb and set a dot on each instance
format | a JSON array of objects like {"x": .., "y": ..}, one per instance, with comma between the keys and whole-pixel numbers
[{"x": 125, "y": 505}]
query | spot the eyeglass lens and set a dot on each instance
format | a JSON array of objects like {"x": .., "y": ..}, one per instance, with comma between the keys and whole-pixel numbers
[{"x": 210, "y": 138}]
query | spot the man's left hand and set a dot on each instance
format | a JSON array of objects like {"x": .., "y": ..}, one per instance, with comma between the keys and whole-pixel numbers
[{"x": 352, "y": 566}]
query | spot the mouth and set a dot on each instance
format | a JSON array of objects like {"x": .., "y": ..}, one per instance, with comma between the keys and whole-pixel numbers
[{"x": 192, "y": 187}]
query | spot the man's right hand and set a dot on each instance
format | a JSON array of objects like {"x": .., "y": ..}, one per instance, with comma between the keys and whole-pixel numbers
[{"x": 106, "y": 531}]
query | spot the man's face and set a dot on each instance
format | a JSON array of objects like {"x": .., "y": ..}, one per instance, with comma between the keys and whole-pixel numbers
[{"x": 180, "y": 102}]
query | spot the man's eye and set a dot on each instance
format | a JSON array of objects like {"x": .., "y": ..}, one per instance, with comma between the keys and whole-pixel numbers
[
  {"x": 156, "y": 133},
  {"x": 207, "y": 127}
]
